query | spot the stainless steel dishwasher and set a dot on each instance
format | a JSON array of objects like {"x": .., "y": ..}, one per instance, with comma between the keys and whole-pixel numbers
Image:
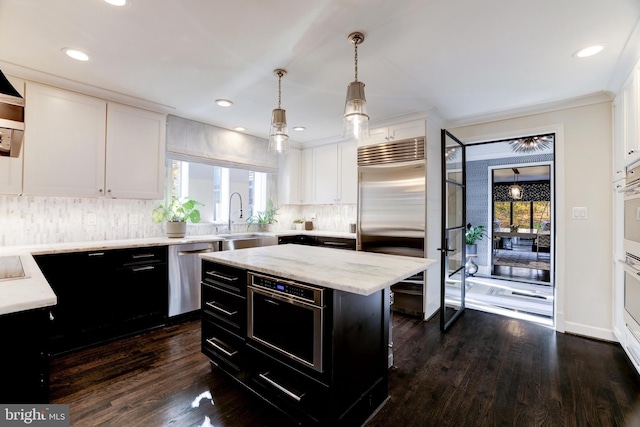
[{"x": 185, "y": 267}]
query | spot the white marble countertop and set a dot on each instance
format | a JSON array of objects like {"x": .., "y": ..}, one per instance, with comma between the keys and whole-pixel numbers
[
  {"x": 28, "y": 292},
  {"x": 352, "y": 271},
  {"x": 18, "y": 294}
]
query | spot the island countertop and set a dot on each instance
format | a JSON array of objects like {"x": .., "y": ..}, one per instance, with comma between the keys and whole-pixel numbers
[{"x": 358, "y": 272}]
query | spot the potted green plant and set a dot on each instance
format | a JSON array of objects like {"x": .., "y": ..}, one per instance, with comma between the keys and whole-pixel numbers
[
  {"x": 299, "y": 224},
  {"x": 177, "y": 213},
  {"x": 473, "y": 234},
  {"x": 264, "y": 218}
]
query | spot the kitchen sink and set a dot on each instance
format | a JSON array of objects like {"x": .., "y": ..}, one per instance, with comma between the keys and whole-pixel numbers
[{"x": 248, "y": 240}]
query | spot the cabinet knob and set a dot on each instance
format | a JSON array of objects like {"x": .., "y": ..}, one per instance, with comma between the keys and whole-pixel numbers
[
  {"x": 631, "y": 151},
  {"x": 100, "y": 190},
  {"x": 109, "y": 191}
]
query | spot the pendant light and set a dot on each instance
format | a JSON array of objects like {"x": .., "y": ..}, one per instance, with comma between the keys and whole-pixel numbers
[
  {"x": 356, "y": 120},
  {"x": 515, "y": 191},
  {"x": 278, "y": 136}
]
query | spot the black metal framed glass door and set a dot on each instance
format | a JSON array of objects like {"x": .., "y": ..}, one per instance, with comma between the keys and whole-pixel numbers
[{"x": 453, "y": 248}]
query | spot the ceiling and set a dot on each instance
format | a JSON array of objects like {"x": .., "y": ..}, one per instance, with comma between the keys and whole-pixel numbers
[
  {"x": 525, "y": 173},
  {"x": 463, "y": 59}
]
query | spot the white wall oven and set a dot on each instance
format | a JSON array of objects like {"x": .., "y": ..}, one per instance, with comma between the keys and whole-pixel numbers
[{"x": 631, "y": 262}]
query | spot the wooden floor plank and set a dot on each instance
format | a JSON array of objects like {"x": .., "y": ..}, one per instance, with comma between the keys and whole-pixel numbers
[{"x": 486, "y": 371}]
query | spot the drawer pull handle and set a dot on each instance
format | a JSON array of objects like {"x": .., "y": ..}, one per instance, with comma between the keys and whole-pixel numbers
[
  {"x": 289, "y": 393},
  {"x": 222, "y": 276},
  {"x": 149, "y": 267},
  {"x": 96, "y": 254},
  {"x": 212, "y": 343},
  {"x": 227, "y": 312},
  {"x": 138, "y": 256},
  {"x": 335, "y": 243}
]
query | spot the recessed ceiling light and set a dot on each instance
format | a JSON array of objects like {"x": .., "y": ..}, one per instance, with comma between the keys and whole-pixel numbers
[
  {"x": 240, "y": 129},
  {"x": 299, "y": 128},
  {"x": 76, "y": 54},
  {"x": 224, "y": 102},
  {"x": 117, "y": 2},
  {"x": 589, "y": 51}
]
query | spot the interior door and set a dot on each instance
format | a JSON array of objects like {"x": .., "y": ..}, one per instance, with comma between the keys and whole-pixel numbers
[{"x": 453, "y": 248}]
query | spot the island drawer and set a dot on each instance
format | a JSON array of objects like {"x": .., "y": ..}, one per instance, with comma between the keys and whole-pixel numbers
[
  {"x": 223, "y": 276},
  {"x": 225, "y": 306},
  {"x": 222, "y": 347},
  {"x": 287, "y": 388}
]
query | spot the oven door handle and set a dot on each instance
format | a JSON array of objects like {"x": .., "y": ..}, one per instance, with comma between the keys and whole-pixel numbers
[
  {"x": 283, "y": 389},
  {"x": 629, "y": 268},
  {"x": 286, "y": 298}
]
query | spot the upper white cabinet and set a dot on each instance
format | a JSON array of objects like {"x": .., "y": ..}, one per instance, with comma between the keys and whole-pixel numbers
[
  {"x": 77, "y": 145},
  {"x": 396, "y": 132},
  {"x": 134, "y": 153},
  {"x": 618, "y": 140},
  {"x": 11, "y": 167},
  {"x": 630, "y": 111},
  {"x": 64, "y": 142},
  {"x": 335, "y": 176},
  {"x": 290, "y": 187}
]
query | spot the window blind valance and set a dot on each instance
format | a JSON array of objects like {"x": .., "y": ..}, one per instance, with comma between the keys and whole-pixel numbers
[
  {"x": 192, "y": 141},
  {"x": 531, "y": 192}
]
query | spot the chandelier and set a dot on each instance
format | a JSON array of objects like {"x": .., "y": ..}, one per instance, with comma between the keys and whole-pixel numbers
[
  {"x": 515, "y": 191},
  {"x": 531, "y": 143}
]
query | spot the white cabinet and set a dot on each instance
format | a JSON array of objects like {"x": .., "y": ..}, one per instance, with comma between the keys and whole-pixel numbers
[
  {"x": 396, "y": 132},
  {"x": 335, "y": 176},
  {"x": 290, "y": 186},
  {"x": 77, "y": 145},
  {"x": 11, "y": 167},
  {"x": 618, "y": 140},
  {"x": 64, "y": 142},
  {"x": 134, "y": 153},
  {"x": 630, "y": 110},
  {"x": 306, "y": 166}
]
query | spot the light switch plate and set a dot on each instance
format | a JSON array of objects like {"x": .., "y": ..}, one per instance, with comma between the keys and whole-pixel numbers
[{"x": 579, "y": 213}]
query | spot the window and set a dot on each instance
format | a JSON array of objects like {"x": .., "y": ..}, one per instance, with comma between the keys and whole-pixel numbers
[
  {"x": 213, "y": 186},
  {"x": 524, "y": 214}
]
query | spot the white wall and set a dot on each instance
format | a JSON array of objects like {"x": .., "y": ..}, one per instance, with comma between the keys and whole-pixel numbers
[{"x": 584, "y": 296}]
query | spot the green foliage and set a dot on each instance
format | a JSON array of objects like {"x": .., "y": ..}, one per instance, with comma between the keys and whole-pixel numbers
[
  {"x": 265, "y": 217},
  {"x": 178, "y": 210},
  {"x": 474, "y": 233}
]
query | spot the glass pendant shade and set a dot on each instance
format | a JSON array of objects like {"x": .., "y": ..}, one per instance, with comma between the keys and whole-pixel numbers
[
  {"x": 278, "y": 136},
  {"x": 515, "y": 192},
  {"x": 356, "y": 120}
]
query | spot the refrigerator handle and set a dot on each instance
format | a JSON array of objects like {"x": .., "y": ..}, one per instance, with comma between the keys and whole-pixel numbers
[{"x": 359, "y": 214}]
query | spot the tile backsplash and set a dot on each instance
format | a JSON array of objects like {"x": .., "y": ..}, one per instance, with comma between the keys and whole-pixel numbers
[{"x": 26, "y": 220}]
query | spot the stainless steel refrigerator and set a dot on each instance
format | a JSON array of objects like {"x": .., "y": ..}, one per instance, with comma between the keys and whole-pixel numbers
[{"x": 392, "y": 211}]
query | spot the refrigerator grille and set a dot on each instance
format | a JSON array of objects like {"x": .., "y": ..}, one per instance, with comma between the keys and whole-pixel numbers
[{"x": 391, "y": 152}]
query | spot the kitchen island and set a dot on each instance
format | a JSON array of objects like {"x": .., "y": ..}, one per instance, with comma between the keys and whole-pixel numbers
[{"x": 305, "y": 328}]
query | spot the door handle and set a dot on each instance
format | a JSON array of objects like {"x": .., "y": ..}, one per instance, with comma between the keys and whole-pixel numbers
[{"x": 445, "y": 250}]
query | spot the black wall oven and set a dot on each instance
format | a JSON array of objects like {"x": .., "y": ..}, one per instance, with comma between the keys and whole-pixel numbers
[{"x": 287, "y": 317}]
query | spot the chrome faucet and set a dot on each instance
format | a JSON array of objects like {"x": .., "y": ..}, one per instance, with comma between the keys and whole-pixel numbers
[{"x": 230, "y": 197}]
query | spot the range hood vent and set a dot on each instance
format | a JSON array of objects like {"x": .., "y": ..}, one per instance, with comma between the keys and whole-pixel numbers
[
  {"x": 11, "y": 118},
  {"x": 391, "y": 152}
]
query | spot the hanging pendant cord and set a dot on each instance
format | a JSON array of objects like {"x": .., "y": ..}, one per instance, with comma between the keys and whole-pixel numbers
[
  {"x": 356, "y": 59},
  {"x": 279, "y": 88}
]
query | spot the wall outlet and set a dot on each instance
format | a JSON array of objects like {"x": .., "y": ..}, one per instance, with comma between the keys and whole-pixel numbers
[{"x": 91, "y": 218}]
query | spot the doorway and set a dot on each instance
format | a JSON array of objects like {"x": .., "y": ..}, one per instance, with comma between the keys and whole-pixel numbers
[{"x": 510, "y": 191}]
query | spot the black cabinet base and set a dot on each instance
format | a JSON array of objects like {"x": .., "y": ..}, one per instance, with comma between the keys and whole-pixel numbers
[{"x": 24, "y": 360}]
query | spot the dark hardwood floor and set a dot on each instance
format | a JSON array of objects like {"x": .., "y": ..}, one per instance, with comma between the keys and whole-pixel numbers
[{"x": 486, "y": 371}]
